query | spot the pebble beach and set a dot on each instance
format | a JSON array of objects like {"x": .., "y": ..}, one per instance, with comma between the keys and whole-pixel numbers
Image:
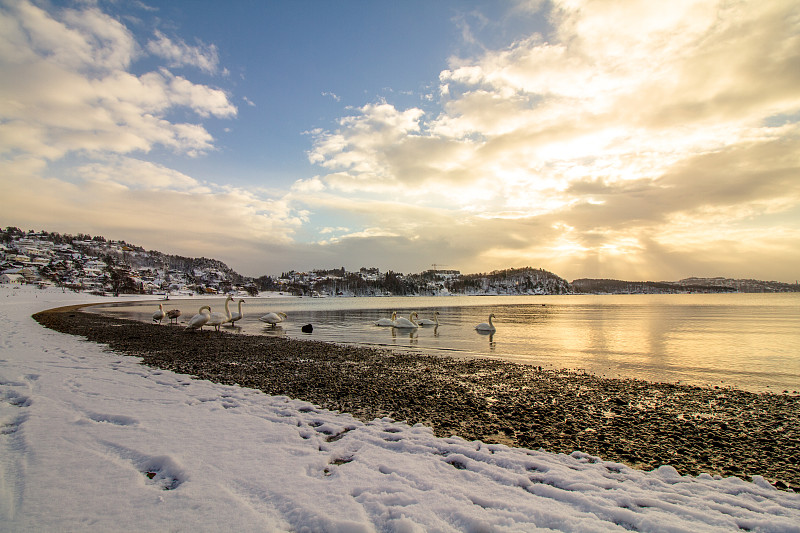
[{"x": 719, "y": 431}]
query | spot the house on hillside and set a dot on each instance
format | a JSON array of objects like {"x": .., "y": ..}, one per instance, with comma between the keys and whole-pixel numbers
[
  {"x": 28, "y": 274},
  {"x": 12, "y": 278},
  {"x": 18, "y": 258}
]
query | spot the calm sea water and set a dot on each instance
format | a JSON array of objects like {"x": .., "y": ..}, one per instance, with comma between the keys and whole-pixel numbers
[{"x": 747, "y": 341}]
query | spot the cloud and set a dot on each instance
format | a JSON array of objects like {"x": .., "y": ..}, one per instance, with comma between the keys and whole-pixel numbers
[
  {"x": 66, "y": 88},
  {"x": 203, "y": 100},
  {"x": 136, "y": 174},
  {"x": 179, "y": 54},
  {"x": 622, "y": 136},
  {"x": 82, "y": 40}
]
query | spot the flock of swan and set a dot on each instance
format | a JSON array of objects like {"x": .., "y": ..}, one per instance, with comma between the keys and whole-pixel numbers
[
  {"x": 410, "y": 322},
  {"x": 205, "y": 317}
]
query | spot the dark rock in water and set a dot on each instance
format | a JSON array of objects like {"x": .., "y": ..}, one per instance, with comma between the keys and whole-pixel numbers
[{"x": 308, "y": 328}]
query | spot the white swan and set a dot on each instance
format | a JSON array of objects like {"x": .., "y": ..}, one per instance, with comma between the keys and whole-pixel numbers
[
  {"x": 217, "y": 319},
  {"x": 159, "y": 315},
  {"x": 273, "y": 318},
  {"x": 405, "y": 323},
  {"x": 483, "y": 326},
  {"x": 200, "y": 319},
  {"x": 236, "y": 316},
  {"x": 428, "y": 321},
  {"x": 173, "y": 314},
  {"x": 228, "y": 314},
  {"x": 387, "y": 321}
]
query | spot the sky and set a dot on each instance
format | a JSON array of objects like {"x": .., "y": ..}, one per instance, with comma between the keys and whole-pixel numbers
[
  {"x": 95, "y": 441},
  {"x": 615, "y": 139}
]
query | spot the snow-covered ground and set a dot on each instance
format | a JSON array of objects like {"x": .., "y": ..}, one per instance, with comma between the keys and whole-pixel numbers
[{"x": 93, "y": 441}]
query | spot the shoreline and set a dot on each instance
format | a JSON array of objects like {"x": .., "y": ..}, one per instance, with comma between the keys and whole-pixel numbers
[{"x": 726, "y": 432}]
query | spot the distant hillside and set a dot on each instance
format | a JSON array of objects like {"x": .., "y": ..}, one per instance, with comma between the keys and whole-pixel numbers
[
  {"x": 123, "y": 252},
  {"x": 137, "y": 257}
]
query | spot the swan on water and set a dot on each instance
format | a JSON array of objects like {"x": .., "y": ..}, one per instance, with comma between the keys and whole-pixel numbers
[
  {"x": 159, "y": 315},
  {"x": 173, "y": 314},
  {"x": 236, "y": 316},
  {"x": 428, "y": 321},
  {"x": 273, "y": 318},
  {"x": 483, "y": 326},
  {"x": 404, "y": 323},
  {"x": 200, "y": 319},
  {"x": 387, "y": 321}
]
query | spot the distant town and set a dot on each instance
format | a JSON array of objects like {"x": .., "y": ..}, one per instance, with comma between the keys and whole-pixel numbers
[{"x": 107, "y": 267}]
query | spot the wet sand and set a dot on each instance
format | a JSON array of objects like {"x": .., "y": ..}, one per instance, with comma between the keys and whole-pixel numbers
[{"x": 719, "y": 431}]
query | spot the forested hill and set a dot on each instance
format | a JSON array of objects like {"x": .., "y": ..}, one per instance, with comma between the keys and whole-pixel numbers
[{"x": 525, "y": 280}]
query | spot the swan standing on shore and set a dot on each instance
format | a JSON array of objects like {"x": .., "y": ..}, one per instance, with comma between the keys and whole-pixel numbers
[
  {"x": 159, "y": 315},
  {"x": 236, "y": 316},
  {"x": 217, "y": 319},
  {"x": 428, "y": 321},
  {"x": 483, "y": 326},
  {"x": 273, "y": 318},
  {"x": 200, "y": 319},
  {"x": 387, "y": 321},
  {"x": 405, "y": 323}
]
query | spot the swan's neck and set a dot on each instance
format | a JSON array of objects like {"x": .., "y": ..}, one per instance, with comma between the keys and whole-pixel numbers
[{"x": 490, "y": 320}]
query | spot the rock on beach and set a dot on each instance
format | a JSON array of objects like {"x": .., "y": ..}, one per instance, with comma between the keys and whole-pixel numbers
[{"x": 719, "y": 431}]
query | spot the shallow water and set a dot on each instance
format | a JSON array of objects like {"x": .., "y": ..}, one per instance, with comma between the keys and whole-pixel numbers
[{"x": 748, "y": 341}]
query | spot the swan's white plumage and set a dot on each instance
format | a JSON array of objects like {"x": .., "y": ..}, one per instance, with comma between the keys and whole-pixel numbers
[
  {"x": 200, "y": 319},
  {"x": 428, "y": 321},
  {"x": 273, "y": 318},
  {"x": 405, "y": 323},
  {"x": 159, "y": 315},
  {"x": 236, "y": 316},
  {"x": 483, "y": 326},
  {"x": 387, "y": 321},
  {"x": 217, "y": 319}
]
